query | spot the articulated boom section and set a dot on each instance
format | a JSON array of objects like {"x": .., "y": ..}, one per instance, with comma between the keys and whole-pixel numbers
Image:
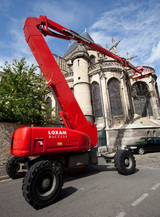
[{"x": 46, "y": 26}]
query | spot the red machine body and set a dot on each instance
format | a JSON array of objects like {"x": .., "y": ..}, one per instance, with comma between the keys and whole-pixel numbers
[
  {"x": 35, "y": 141},
  {"x": 79, "y": 134}
]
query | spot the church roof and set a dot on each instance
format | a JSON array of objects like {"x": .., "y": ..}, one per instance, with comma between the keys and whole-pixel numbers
[
  {"x": 87, "y": 36},
  {"x": 74, "y": 44}
]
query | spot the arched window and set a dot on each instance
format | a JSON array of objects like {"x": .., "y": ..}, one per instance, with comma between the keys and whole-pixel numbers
[
  {"x": 148, "y": 133},
  {"x": 96, "y": 100},
  {"x": 49, "y": 105},
  {"x": 92, "y": 59},
  {"x": 141, "y": 99},
  {"x": 115, "y": 97},
  {"x": 154, "y": 133}
]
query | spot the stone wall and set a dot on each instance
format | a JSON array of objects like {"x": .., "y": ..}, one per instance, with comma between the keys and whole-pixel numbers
[
  {"x": 6, "y": 130},
  {"x": 122, "y": 137}
]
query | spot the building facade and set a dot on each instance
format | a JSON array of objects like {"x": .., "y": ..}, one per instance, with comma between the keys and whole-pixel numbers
[{"x": 122, "y": 108}]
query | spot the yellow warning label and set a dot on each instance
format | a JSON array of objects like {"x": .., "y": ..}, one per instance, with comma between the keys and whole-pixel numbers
[{"x": 59, "y": 143}]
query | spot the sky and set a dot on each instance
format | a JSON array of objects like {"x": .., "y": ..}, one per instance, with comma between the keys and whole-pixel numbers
[{"x": 135, "y": 23}]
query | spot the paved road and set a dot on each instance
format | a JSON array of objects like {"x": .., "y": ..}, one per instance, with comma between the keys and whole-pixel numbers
[{"x": 92, "y": 192}]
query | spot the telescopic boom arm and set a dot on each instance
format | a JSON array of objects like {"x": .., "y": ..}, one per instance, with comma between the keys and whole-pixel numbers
[
  {"x": 67, "y": 34},
  {"x": 73, "y": 117}
]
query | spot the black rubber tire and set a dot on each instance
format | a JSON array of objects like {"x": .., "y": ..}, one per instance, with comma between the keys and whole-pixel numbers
[
  {"x": 12, "y": 167},
  {"x": 125, "y": 162},
  {"x": 42, "y": 184},
  {"x": 141, "y": 151}
]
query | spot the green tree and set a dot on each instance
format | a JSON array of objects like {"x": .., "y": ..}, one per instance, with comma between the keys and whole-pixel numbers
[{"x": 22, "y": 94}]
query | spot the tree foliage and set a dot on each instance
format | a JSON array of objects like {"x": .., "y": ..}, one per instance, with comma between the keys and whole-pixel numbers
[{"x": 22, "y": 94}]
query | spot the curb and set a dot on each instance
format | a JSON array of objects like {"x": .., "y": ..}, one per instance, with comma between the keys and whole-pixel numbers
[{"x": 4, "y": 178}]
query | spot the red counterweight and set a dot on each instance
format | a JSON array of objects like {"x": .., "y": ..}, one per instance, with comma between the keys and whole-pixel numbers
[{"x": 35, "y": 141}]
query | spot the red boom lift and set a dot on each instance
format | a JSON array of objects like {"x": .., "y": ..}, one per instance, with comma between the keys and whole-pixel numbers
[{"x": 58, "y": 148}]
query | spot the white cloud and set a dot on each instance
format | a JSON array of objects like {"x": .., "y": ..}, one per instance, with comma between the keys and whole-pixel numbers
[
  {"x": 158, "y": 83},
  {"x": 100, "y": 38},
  {"x": 17, "y": 45},
  {"x": 136, "y": 26},
  {"x": 53, "y": 11},
  {"x": 155, "y": 53},
  {"x": 68, "y": 13},
  {"x": 4, "y": 5}
]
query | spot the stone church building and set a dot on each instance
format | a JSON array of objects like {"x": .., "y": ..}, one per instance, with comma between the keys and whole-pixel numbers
[{"x": 123, "y": 109}]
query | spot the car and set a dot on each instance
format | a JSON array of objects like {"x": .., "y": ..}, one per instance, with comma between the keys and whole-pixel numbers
[{"x": 144, "y": 144}]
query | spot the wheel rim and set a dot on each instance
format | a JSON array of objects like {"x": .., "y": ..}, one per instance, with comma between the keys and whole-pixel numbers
[
  {"x": 16, "y": 167},
  {"x": 128, "y": 162},
  {"x": 45, "y": 184},
  {"x": 141, "y": 151}
]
